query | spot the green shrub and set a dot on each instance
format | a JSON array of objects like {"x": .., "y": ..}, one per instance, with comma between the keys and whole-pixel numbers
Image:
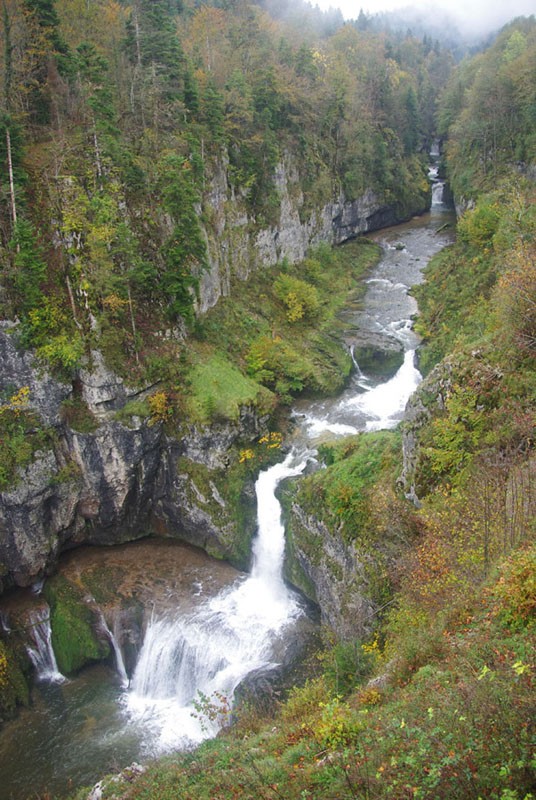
[
  {"x": 21, "y": 436},
  {"x": 76, "y": 413},
  {"x": 300, "y": 298}
]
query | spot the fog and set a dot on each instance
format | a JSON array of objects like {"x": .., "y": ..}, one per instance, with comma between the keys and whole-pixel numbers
[{"x": 472, "y": 17}]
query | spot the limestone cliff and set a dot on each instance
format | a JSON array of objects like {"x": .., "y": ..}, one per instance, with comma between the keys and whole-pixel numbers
[
  {"x": 239, "y": 244},
  {"x": 332, "y": 573},
  {"x": 117, "y": 482}
]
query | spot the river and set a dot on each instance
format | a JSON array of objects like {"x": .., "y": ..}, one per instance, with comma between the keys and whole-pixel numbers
[{"x": 211, "y": 626}]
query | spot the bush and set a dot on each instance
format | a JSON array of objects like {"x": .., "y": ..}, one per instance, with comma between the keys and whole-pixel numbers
[{"x": 300, "y": 298}]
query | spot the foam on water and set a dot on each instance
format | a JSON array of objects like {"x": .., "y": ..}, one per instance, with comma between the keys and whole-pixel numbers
[{"x": 209, "y": 652}]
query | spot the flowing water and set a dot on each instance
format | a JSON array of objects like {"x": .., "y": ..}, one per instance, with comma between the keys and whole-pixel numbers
[
  {"x": 370, "y": 402},
  {"x": 210, "y": 627},
  {"x": 41, "y": 652},
  {"x": 210, "y": 651}
]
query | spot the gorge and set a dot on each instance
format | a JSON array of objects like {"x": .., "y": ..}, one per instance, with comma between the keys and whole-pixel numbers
[
  {"x": 202, "y": 645},
  {"x": 241, "y": 478}
]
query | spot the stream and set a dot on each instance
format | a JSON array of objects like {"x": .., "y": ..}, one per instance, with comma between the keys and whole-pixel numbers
[{"x": 210, "y": 626}]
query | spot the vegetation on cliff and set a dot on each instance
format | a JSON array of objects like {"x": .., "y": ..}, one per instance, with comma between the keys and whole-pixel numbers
[
  {"x": 121, "y": 123},
  {"x": 454, "y": 724},
  {"x": 116, "y": 122},
  {"x": 449, "y": 711}
]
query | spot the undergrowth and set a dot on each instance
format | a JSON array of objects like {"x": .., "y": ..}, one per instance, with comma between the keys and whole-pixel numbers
[{"x": 458, "y": 725}]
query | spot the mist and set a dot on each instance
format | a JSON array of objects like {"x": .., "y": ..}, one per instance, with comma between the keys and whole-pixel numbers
[{"x": 472, "y": 18}]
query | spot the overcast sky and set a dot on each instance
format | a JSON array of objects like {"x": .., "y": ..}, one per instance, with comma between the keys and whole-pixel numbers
[{"x": 481, "y": 15}]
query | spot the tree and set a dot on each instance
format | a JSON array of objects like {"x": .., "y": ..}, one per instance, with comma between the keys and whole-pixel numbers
[{"x": 184, "y": 251}]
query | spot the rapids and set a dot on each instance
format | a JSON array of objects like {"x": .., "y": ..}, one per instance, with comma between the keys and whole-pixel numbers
[{"x": 210, "y": 626}]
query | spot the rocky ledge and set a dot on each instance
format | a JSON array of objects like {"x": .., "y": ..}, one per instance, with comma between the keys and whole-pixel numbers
[{"x": 117, "y": 482}]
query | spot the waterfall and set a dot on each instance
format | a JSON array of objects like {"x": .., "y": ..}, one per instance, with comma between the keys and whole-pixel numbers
[
  {"x": 437, "y": 193},
  {"x": 207, "y": 653},
  {"x": 113, "y": 638},
  {"x": 42, "y": 653},
  {"x": 383, "y": 406}
]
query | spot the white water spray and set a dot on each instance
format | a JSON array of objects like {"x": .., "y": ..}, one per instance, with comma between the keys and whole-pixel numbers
[
  {"x": 114, "y": 638},
  {"x": 209, "y": 652},
  {"x": 383, "y": 406},
  {"x": 42, "y": 653}
]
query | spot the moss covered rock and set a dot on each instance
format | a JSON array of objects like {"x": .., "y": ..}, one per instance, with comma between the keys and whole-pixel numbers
[
  {"x": 73, "y": 624},
  {"x": 13, "y": 684}
]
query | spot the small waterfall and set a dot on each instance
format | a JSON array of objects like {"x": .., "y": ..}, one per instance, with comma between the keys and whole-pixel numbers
[
  {"x": 437, "y": 193},
  {"x": 357, "y": 368},
  {"x": 42, "y": 654},
  {"x": 114, "y": 639},
  {"x": 383, "y": 406},
  {"x": 209, "y": 652}
]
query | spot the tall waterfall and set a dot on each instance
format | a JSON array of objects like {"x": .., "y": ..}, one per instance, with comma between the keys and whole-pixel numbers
[
  {"x": 42, "y": 653},
  {"x": 207, "y": 653}
]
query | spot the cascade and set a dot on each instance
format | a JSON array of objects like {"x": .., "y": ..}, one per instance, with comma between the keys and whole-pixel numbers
[
  {"x": 241, "y": 629},
  {"x": 42, "y": 653},
  {"x": 114, "y": 638},
  {"x": 207, "y": 653},
  {"x": 437, "y": 193}
]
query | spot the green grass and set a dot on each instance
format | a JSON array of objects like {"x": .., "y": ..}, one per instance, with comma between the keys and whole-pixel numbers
[
  {"x": 343, "y": 494},
  {"x": 457, "y": 727},
  {"x": 298, "y": 352},
  {"x": 219, "y": 390}
]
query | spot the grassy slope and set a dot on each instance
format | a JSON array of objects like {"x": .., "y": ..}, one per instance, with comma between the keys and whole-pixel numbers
[
  {"x": 250, "y": 351},
  {"x": 449, "y": 712},
  {"x": 457, "y": 725}
]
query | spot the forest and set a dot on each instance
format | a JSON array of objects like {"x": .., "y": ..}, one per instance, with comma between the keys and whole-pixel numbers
[{"x": 167, "y": 170}]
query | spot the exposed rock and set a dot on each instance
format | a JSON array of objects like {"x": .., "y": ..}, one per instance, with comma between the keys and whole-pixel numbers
[
  {"x": 20, "y": 368},
  {"x": 94, "y": 488},
  {"x": 118, "y": 483},
  {"x": 101, "y": 388},
  {"x": 239, "y": 246},
  {"x": 332, "y": 573},
  {"x": 128, "y": 775},
  {"x": 376, "y": 353},
  {"x": 428, "y": 399}
]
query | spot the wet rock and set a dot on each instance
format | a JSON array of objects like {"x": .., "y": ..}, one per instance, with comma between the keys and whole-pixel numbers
[{"x": 376, "y": 353}]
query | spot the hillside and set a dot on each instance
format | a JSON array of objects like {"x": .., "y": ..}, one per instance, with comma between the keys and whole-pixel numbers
[{"x": 174, "y": 176}]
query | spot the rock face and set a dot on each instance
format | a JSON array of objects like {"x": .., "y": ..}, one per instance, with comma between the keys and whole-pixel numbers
[
  {"x": 116, "y": 483},
  {"x": 376, "y": 352},
  {"x": 427, "y": 401},
  {"x": 331, "y": 573},
  {"x": 237, "y": 246},
  {"x": 19, "y": 368}
]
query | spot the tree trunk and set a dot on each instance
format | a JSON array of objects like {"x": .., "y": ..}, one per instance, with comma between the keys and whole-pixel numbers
[{"x": 13, "y": 202}]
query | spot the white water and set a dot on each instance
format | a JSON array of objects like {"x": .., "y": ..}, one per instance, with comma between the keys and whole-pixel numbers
[
  {"x": 113, "y": 638},
  {"x": 42, "y": 653},
  {"x": 383, "y": 405},
  {"x": 210, "y": 651},
  {"x": 370, "y": 403}
]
